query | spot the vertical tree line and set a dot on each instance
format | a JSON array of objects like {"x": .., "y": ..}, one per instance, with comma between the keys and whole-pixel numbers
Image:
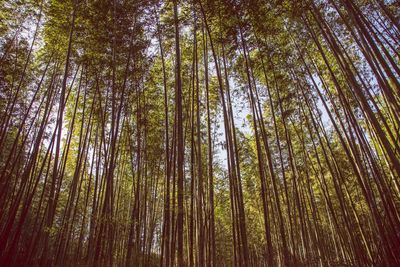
[{"x": 199, "y": 133}]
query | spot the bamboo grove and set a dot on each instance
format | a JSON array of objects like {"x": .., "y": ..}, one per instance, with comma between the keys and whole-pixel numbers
[{"x": 199, "y": 133}]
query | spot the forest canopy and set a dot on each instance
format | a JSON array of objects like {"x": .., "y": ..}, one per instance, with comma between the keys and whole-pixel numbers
[{"x": 199, "y": 133}]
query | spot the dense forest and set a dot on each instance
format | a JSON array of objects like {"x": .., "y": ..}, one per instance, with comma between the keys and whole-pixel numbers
[{"x": 199, "y": 133}]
